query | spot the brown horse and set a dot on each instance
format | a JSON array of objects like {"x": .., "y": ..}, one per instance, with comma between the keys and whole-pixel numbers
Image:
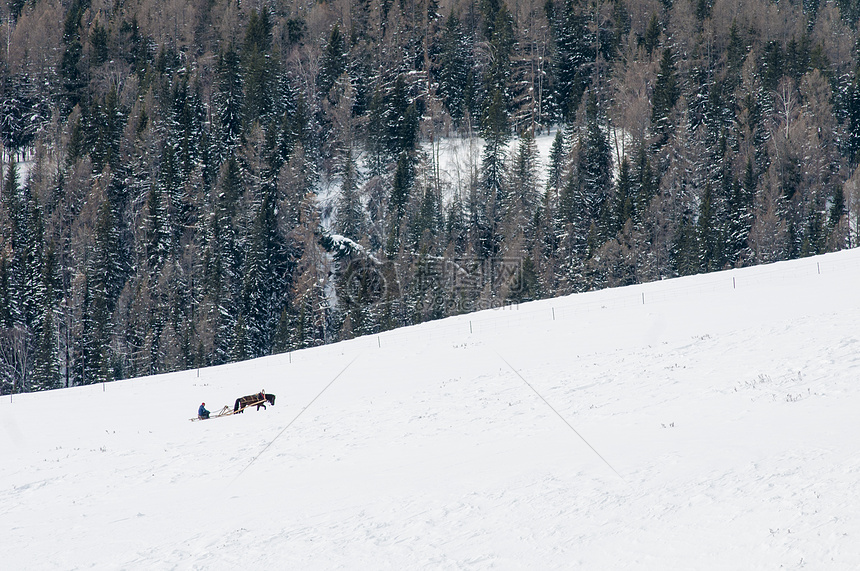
[{"x": 258, "y": 399}]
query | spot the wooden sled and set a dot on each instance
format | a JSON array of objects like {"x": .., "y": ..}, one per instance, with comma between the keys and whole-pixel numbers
[
  {"x": 227, "y": 411},
  {"x": 223, "y": 412}
]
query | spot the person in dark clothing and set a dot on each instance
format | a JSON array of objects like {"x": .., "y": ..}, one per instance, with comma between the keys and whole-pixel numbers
[{"x": 202, "y": 413}]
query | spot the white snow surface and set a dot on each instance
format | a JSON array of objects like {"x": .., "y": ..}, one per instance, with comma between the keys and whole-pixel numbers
[{"x": 708, "y": 422}]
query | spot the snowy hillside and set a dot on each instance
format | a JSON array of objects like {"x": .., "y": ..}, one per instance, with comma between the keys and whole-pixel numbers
[{"x": 708, "y": 422}]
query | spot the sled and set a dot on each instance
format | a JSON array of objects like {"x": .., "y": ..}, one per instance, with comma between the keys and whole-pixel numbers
[
  {"x": 227, "y": 411},
  {"x": 223, "y": 412}
]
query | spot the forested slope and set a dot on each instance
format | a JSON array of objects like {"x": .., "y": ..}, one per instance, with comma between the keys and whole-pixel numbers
[{"x": 163, "y": 161}]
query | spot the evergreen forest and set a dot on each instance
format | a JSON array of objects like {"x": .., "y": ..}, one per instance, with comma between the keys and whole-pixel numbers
[{"x": 187, "y": 183}]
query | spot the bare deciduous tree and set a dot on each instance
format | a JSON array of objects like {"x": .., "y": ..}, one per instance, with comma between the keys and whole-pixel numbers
[{"x": 15, "y": 359}]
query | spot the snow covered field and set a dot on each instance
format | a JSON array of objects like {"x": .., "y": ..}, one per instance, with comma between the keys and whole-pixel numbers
[{"x": 708, "y": 422}]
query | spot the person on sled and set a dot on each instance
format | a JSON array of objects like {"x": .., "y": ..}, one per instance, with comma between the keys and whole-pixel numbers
[{"x": 202, "y": 413}]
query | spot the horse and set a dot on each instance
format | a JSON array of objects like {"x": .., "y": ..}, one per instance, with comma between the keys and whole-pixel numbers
[{"x": 258, "y": 399}]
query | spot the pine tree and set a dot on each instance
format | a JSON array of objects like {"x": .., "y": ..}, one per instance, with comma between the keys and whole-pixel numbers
[
  {"x": 490, "y": 194},
  {"x": 217, "y": 308},
  {"x": 377, "y": 145},
  {"x": 666, "y": 93},
  {"x": 851, "y": 111},
  {"x": 46, "y": 363},
  {"x": 526, "y": 285},
  {"x": 427, "y": 220},
  {"x": 88, "y": 346},
  {"x": 107, "y": 124},
  {"x": 333, "y": 62},
  {"x": 685, "y": 256},
  {"x": 350, "y": 219},
  {"x": 556, "y": 169},
  {"x": 312, "y": 312},
  {"x": 392, "y": 128},
  {"x": 499, "y": 32},
  {"x": 401, "y": 189},
  {"x": 290, "y": 107},
  {"x": 652, "y": 34},
  {"x": 282, "y": 337},
  {"x": 73, "y": 80},
  {"x": 710, "y": 238},
  {"x": 31, "y": 261},
  {"x": 646, "y": 183},
  {"x": 625, "y": 200},
  {"x": 401, "y": 120},
  {"x": 522, "y": 197},
  {"x": 496, "y": 136},
  {"x": 46, "y": 366},
  {"x": 13, "y": 205},
  {"x": 240, "y": 341},
  {"x": 456, "y": 227},
  {"x": 736, "y": 52},
  {"x": 772, "y": 66},
  {"x": 104, "y": 281},
  {"x": 595, "y": 174},
  {"x": 740, "y": 216},
  {"x": 229, "y": 99},
  {"x": 258, "y": 76},
  {"x": 6, "y": 294},
  {"x": 108, "y": 262},
  {"x": 186, "y": 135},
  {"x": 769, "y": 237},
  {"x": 454, "y": 70},
  {"x": 261, "y": 274},
  {"x": 158, "y": 245},
  {"x": 573, "y": 51}
]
